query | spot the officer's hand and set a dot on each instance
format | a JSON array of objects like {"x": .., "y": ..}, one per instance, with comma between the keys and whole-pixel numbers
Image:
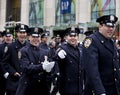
[
  {"x": 62, "y": 54},
  {"x": 6, "y": 75},
  {"x": 47, "y": 66},
  {"x": 17, "y": 74}
]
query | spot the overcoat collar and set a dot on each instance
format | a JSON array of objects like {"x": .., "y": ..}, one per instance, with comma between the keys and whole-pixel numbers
[{"x": 104, "y": 41}]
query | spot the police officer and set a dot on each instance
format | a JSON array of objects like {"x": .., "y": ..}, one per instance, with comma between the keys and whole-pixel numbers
[
  {"x": 44, "y": 40},
  {"x": 100, "y": 60},
  {"x": 36, "y": 67},
  {"x": 10, "y": 59},
  {"x": 58, "y": 40},
  {"x": 1, "y": 37},
  {"x": 8, "y": 37},
  {"x": 87, "y": 33},
  {"x": 69, "y": 57}
]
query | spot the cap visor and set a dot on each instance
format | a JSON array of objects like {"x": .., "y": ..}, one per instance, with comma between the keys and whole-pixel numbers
[
  {"x": 8, "y": 35},
  {"x": 110, "y": 24},
  {"x": 35, "y": 35}
]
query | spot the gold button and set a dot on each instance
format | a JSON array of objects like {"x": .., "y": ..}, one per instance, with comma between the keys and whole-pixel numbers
[
  {"x": 115, "y": 79},
  {"x": 25, "y": 82},
  {"x": 21, "y": 66},
  {"x": 21, "y": 73},
  {"x": 38, "y": 80},
  {"x": 40, "y": 73},
  {"x": 114, "y": 69},
  {"x": 93, "y": 92},
  {"x": 68, "y": 79}
]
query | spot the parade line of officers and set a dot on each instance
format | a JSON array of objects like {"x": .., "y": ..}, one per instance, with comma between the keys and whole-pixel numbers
[{"x": 29, "y": 66}]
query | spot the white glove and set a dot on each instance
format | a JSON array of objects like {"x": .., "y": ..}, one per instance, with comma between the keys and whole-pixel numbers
[
  {"x": 47, "y": 66},
  {"x": 103, "y": 94},
  {"x": 6, "y": 75},
  {"x": 62, "y": 54}
]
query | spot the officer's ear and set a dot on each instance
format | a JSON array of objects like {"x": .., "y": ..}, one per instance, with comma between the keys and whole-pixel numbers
[{"x": 100, "y": 25}]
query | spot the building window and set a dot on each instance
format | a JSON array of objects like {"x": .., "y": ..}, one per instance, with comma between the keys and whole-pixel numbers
[
  {"x": 65, "y": 11},
  {"x": 13, "y": 10},
  {"x": 102, "y": 7},
  {"x": 36, "y": 13}
]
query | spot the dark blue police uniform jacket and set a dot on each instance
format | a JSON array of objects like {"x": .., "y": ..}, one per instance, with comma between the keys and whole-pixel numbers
[
  {"x": 2, "y": 79},
  {"x": 11, "y": 64},
  {"x": 2, "y": 47},
  {"x": 34, "y": 79},
  {"x": 71, "y": 71},
  {"x": 44, "y": 45},
  {"x": 101, "y": 66}
]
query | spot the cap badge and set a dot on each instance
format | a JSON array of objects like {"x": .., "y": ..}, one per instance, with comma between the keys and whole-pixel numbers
[
  {"x": 112, "y": 18},
  {"x": 8, "y": 31},
  {"x": 22, "y": 26},
  {"x": 87, "y": 42},
  {"x": 72, "y": 28},
  {"x": 46, "y": 34},
  {"x": 36, "y": 30}
]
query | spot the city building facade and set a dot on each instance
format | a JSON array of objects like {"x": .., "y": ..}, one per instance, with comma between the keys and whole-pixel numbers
[{"x": 56, "y": 15}]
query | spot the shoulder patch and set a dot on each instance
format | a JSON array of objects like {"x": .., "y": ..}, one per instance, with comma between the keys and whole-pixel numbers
[
  {"x": 5, "y": 49},
  {"x": 19, "y": 55},
  {"x": 87, "y": 42}
]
